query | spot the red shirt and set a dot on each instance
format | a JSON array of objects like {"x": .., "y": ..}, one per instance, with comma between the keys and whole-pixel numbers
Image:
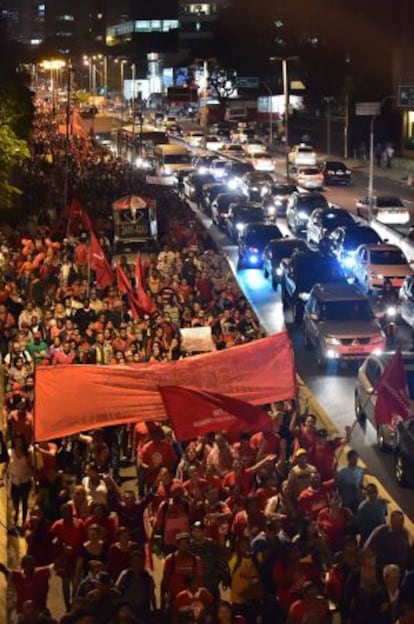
[
  {"x": 290, "y": 578},
  {"x": 214, "y": 527},
  {"x": 310, "y": 501},
  {"x": 108, "y": 526},
  {"x": 195, "y": 602},
  {"x": 267, "y": 442},
  {"x": 243, "y": 526},
  {"x": 243, "y": 479},
  {"x": 177, "y": 568},
  {"x": 33, "y": 587},
  {"x": 324, "y": 458},
  {"x": 72, "y": 535},
  {"x": 263, "y": 494},
  {"x": 316, "y": 611},
  {"x": 197, "y": 490},
  {"x": 333, "y": 527},
  {"x": 157, "y": 455},
  {"x": 118, "y": 559},
  {"x": 246, "y": 452}
]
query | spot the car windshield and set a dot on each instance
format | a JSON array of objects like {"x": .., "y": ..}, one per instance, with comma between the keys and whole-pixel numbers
[
  {"x": 259, "y": 178},
  {"x": 310, "y": 272},
  {"x": 360, "y": 236},
  {"x": 331, "y": 220},
  {"x": 346, "y": 311},
  {"x": 261, "y": 236},
  {"x": 240, "y": 168},
  {"x": 387, "y": 256},
  {"x": 334, "y": 165},
  {"x": 177, "y": 159},
  {"x": 226, "y": 199},
  {"x": 262, "y": 155},
  {"x": 283, "y": 189},
  {"x": 389, "y": 202},
  {"x": 310, "y": 171},
  {"x": 304, "y": 148},
  {"x": 310, "y": 202},
  {"x": 249, "y": 215},
  {"x": 286, "y": 249}
]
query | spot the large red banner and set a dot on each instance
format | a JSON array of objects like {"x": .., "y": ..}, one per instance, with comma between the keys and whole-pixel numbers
[{"x": 69, "y": 399}]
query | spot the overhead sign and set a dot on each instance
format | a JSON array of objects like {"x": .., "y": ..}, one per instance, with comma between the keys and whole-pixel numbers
[
  {"x": 405, "y": 96},
  {"x": 247, "y": 82},
  {"x": 367, "y": 108}
]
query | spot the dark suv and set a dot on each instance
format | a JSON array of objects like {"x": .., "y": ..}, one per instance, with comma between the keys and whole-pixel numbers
[
  {"x": 301, "y": 273},
  {"x": 299, "y": 208}
]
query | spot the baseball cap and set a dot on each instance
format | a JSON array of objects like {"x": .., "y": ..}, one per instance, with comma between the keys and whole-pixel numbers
[{"x": 300, "y": 451}]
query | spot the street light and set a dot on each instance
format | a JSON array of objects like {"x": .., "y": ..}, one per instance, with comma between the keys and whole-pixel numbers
[
  {"x": 371, "y": 151},
  {"x": 285, "y": 60},
  {"x": 269, "y": 91},
  {"x": 53, "y": 65}
]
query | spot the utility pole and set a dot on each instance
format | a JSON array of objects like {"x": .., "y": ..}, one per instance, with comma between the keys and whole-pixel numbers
[
  {"x": 328, "y": 101},
  {"x": 67, "y": 134},
  {"x": 285, "y": 80}
]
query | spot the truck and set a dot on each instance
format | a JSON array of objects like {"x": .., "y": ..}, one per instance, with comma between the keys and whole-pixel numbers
[{"x": 135, "y": 222}]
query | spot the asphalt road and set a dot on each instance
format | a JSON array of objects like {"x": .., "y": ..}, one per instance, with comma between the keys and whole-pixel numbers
[{"x": 334, "y": 390}]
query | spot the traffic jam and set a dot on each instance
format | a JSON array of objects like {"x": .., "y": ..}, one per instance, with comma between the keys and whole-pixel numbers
[{"x": 343, "y": 285}]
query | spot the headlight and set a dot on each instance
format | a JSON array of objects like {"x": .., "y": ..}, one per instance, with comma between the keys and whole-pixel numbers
[
  {"x": 279, "y": 271},
  {"x": 254, "y": 188},
  {"x": 240, "y": 227},
  {"x": 302, "y": 215},
  {"x": 391, "y": 311},
  {"x": 232, "y": 184},
  {"x": 332, "y": 340},
  {"x": 304, "y": 296},
  {"x": 271, "y": 210},
  {"x": 142, "y": 163},
  {"x": 377, "y": 338},
  {"x": 377, "y": 276},
  {"x": 167, "y": 170},
  {"x": 377, "y": 351},
  {"x": 202, "y": 170},
  {"x": 349, "y": 262},
  {"x": 278, "y": 201}
]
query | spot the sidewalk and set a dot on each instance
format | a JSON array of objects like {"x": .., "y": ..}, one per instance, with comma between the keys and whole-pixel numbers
[{"x": 402, "y": 170}]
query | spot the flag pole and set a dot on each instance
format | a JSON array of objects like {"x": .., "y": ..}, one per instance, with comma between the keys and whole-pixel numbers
[{"x": 88, "y": 277}]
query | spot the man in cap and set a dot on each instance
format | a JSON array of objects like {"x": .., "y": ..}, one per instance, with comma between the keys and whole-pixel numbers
[
  {"x": 178, "y": 566},
  {"x": 300, "y": 474}
]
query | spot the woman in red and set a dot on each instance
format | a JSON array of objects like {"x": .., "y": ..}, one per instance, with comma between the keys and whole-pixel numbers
[
  {"x": 333, "y": 522},
  {"x": 289, "y": 574},
  {"x": 305, "y": 435},
  {"x": 120, "y": 552}
]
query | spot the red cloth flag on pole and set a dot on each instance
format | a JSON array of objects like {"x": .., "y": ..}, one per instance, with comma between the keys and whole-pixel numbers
[
  {"x": 392, "y": 404},
  {"x": 194, "y": 412},
  {"x": 76, "y": 215},
  {"x": 125, "y": 288},
  {"x": 99, "y": 263},
  {"x": 144, "y": 300}
]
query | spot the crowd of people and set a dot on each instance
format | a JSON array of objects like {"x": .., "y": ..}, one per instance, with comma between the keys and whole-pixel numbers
[{"x": 263, "y": 529}]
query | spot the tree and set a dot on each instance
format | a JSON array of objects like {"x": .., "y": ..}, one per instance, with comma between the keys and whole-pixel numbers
[{"x": 12, "y": 151}]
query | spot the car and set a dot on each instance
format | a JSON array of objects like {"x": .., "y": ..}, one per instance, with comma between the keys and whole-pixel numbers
[
  {"x": 239, "y": 215},
  {"x": 324, "y": 220},
  {"x": 406, "y": 299},
  {"x": 275, "y": 201},
  {"x": 256, "y": 184},
  {"x": 399, "y": 436},
  {"x": 262, "y": 161},
  {"x": 202, "y": 163},
  {"x": 252, "y": 242},
  {"x": 217, "y": 168},
  {"x": 234, "y": 149},
  {"x": 339, "y": 323},
  {"x": 235, "y": 170},
  {"x": 221, "y": 129},
  {"x": 194, "y": 182},
  {"x": 335, "y": 172},
  {"x": 301, "y": 273},
  {"x": 220, "y": 206},
  {"x": 302, "y": 155},
  {"x": 254, "y": 146},
  {"x": 345, "y": 240},
  {"x": 385, "y": 209},
  {"x": 300, "y": 206},
  {"x": 213, "y": 143},
  {"x": 194, "y": 138},
  {"x": 277, "y": 251},
  {"x": 309, "y": 178},
  {"x": 210, "y": 192},
  {"x": 374, "y": 263}
]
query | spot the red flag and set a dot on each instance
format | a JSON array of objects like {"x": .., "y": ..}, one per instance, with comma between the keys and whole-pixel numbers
[
  {"x": 76, "y": 214},
  {"x": 144, "y": 300},
  {"x": 392, "y": 404},
  {"x": 99, "y": 263},
  {"x": 125, "y": 287},
  {"x": 194, "y": 413},
  {"x": 139, "y": 272}
]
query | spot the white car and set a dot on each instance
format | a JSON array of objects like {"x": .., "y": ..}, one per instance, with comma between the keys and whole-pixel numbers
[
  {"x": 386, "y": 209},
  {"x": 406, "y": 297},
  {"x": 374, "y": 263},
  {"x": 309, "y": 178},
  {"x": 302, "y": 155},
  {"x": 214, "y": 143},
  {"x": 194, "y": 138},
  {"x": 234, "y": 149},
  {"x": 252, "y": 148},
  {"x": 262, "y": 161},
  {"x": 218, "y": 168}
]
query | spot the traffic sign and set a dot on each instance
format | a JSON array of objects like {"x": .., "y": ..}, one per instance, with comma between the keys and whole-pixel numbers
[
  {"x": 247, "y": 82},
  {"x": 367, "y": 108},
  {"x": 406, "y": 95}
]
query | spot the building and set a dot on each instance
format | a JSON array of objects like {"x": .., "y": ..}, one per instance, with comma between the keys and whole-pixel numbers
[{"x": 196, "y": 27}]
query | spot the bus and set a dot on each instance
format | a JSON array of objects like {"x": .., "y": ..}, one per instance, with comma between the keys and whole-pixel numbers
[
  {"x": 136, "y": 142},
  {"x": 172, "y": 159}
]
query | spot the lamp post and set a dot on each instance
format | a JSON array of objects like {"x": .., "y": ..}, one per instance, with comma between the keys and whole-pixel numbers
[
  {"x": 133, "y": 76},
  {"x": 328, "y": 101},
  {"x": 371, "y": 151},
  {"x": 285, "y": 80},
  {"x": 268, "y": 89}
]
